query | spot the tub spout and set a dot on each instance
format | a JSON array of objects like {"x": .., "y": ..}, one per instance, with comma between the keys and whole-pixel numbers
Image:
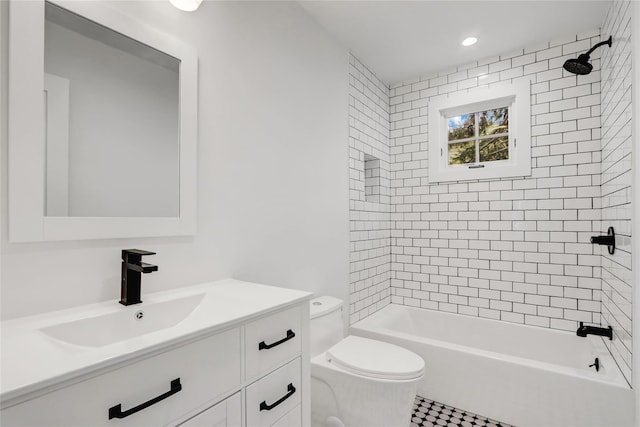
[{"x": 584, "y": 330}]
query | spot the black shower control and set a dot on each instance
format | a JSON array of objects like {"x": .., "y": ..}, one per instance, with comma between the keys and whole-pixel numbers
[{"x": 608, "y": 240}]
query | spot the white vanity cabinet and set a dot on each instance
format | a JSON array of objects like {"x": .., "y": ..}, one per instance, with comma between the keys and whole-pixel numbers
[
  {"x": 254, "y": 373},
  {"x": 227, "y": 413}
]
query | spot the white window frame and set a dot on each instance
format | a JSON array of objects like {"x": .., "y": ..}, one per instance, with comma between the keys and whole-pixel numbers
[{"x": 515, "y": 96}]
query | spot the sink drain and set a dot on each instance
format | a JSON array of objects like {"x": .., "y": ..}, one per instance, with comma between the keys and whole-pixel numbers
[{"x": 139, "y": 315}]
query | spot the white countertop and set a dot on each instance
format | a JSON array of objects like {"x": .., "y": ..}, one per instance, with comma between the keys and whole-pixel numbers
[{"x": 33, "y": 361}]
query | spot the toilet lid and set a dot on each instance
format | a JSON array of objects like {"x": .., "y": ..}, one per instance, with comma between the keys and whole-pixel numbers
[{"x": 376, "y": 359}]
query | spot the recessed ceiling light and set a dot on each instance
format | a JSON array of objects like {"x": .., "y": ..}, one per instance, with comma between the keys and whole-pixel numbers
[{"x": 469, "y": 41}]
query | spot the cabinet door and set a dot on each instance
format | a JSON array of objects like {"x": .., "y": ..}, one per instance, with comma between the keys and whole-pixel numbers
[
  {"x": 150, "y": 392},
  {"x": 274, "y": 395},
  {"x": 272, "y": 341},
  {"x": 292, "y": 419},
  {"x": 227, "y": 413}
]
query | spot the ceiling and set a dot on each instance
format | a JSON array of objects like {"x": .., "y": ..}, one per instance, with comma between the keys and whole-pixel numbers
[{"x": 403, "y": 39}]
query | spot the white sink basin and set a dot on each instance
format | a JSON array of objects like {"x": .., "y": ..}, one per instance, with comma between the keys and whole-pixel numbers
[{"x": 126, "y": 323}]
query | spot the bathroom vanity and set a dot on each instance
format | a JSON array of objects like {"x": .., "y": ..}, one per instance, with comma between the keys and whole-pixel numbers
[{"x": 226, "y": 353}]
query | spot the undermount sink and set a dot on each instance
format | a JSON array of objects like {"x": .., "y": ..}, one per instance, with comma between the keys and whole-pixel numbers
[{"x": 126, "y": 323}]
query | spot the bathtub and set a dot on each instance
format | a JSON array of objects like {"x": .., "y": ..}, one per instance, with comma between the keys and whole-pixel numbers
[{"x": 521, "y": 375}]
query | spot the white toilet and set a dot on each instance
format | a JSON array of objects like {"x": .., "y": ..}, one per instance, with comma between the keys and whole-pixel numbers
[{"x": 355, "y": 381}]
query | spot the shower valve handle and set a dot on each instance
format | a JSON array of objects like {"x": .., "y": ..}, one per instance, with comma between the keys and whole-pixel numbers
[{"x": 608, "y": 240}]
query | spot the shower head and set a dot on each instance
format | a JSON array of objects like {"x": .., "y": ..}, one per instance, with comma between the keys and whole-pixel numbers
[{"x": 581, "y": 64}]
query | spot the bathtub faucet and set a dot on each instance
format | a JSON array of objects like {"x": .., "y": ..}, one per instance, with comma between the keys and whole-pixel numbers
[{"x": 583, "y": 331}]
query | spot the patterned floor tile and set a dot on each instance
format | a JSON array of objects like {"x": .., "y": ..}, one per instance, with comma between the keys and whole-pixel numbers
[{"x": 427, "y": 413}]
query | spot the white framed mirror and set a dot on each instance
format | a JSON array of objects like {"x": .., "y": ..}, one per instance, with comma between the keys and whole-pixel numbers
[{"x": 102, "y": 125}]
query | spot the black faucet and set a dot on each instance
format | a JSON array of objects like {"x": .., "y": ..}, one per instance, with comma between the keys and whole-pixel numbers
[
  {"x": 583, "y": 331},
  {"x": 132, "y": 269}
]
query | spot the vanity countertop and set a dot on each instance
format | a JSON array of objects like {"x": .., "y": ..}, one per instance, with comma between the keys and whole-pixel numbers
[{"x": 33, "y": 362}]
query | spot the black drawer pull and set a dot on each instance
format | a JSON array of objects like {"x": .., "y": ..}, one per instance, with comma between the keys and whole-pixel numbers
[
  {"x": 116, "y": 411},
  {"x": 264, "y": 346},
  {"x": 290, "y": 391}
]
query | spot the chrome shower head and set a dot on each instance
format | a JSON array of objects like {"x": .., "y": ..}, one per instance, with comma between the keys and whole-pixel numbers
[{"x": 581, "y": 65}]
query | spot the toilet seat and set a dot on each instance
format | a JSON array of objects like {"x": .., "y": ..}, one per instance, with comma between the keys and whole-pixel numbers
[{"x": 375, "y": 359}]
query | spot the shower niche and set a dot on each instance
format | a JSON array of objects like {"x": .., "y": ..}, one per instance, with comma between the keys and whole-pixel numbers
[{"x": 372, "y": 178}]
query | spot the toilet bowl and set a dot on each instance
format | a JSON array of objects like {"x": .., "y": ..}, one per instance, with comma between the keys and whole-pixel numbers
[{"x": 355, "y": 381}]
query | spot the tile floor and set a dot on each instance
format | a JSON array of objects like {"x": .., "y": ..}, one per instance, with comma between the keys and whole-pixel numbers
[{"x": 427, "y": 413}]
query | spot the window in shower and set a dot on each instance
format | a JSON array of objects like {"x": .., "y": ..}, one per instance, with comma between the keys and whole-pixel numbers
[
  {"x": 483, "y": 134},
  {"x": 478, "y": 137}
]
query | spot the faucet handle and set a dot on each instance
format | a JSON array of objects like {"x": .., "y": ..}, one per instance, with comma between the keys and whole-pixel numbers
[
  {"x": 140, "y": 252},
  {"x": 134, "y": 255}
]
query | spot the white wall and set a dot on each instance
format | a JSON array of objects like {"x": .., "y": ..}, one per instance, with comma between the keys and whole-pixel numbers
[{"x": 273, "y": 172}]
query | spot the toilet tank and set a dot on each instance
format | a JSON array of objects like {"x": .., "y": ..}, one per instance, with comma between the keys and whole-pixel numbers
[{"x": 326, "y": 326}]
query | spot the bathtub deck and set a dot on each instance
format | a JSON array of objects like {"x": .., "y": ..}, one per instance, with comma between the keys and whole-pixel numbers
[{"x": 427, "y": 413}]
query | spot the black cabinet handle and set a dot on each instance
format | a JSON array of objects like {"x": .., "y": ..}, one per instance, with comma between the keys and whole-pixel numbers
[
  {"x": 290, "y": 391},
  {"x": 116, "y": 411},
  {"x": 264, "y": 346}
]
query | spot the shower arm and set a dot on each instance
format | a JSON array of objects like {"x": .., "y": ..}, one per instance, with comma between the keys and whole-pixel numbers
[{"x": 608, "y": 41}]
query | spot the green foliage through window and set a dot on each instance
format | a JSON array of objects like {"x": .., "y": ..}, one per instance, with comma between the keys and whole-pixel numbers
[{"x": 483, "y": 134}]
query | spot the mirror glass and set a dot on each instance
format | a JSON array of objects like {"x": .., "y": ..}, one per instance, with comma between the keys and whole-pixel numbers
[{"x": 112, "y": 114}]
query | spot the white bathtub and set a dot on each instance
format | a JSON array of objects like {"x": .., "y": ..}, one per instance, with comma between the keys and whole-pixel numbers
[{"x": 521, "y": 375}]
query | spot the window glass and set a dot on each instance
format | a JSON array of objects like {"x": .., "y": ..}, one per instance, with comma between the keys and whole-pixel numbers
[
  {"x": 461, "y": 127},
  {"x": 493, "y": 122},
  {"x": 461, "y": 153},
  {"x": 478, "y": 137},
  {"x": 494, "y": 149}
]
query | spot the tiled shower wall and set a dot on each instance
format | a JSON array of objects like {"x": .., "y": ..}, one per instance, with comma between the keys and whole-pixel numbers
[
  {"x": 370, "y": 252},
  {"x": 512, "y": 249},
  {"x": 617, "y": 180}
]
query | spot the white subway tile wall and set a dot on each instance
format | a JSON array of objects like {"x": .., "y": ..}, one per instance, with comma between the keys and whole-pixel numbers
[
  {"x": 518, "y": 249},
  {"x": 617, "y": 180},
  {"x": 370, "y": 214}
]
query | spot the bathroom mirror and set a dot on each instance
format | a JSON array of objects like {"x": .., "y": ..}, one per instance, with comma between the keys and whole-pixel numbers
[{"x": 113, "y": 152}]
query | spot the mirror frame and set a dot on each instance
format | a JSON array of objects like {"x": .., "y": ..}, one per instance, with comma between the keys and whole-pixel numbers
[{"x": 27, "y": 220}]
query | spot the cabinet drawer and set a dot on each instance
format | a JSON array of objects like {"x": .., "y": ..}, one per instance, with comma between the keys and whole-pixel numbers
[
  {"x": 273, "y": 396},
  {"x": 292, "y": 419},
  {"x": 225, "y": 414},
  {"x": 272, "y": 340},
  {"x": 206, "y": 369}
]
